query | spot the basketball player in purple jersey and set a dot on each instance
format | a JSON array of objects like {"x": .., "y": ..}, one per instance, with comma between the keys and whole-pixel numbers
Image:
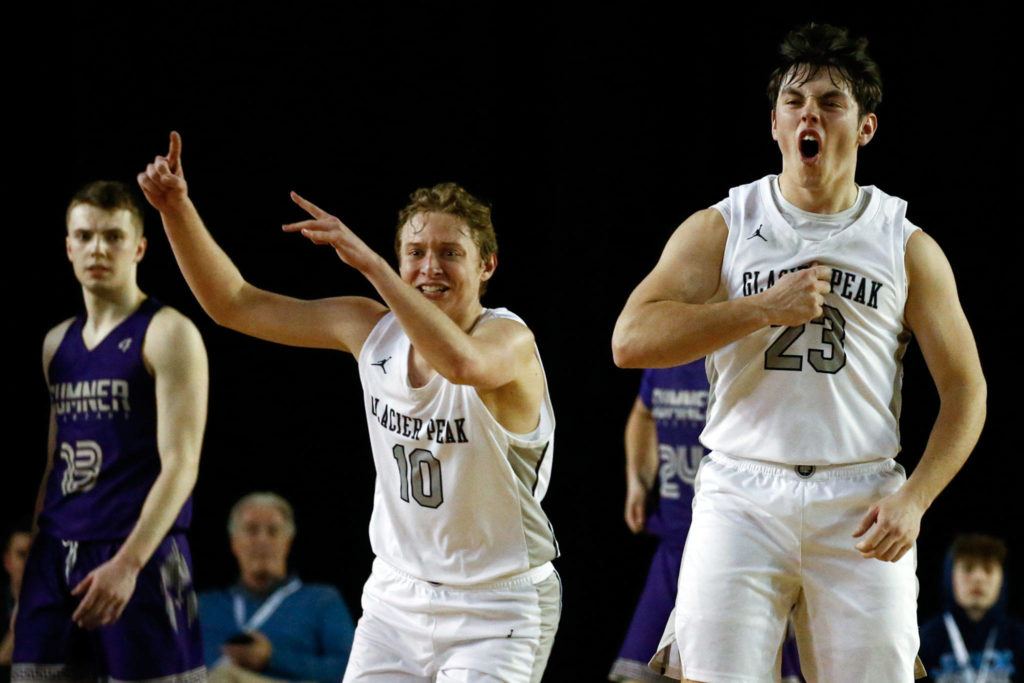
[
  {"x": 107, "y": 591},
  {"x": 662, "y": 444}
]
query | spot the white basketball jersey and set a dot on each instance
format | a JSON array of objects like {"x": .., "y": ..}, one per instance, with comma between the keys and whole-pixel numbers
[
  {"x": 457, "y": 496},
  {"x": 827, "y": 392}
]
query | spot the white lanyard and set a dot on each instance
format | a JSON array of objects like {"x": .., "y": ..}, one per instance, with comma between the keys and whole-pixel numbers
[
  {"x": 963, "y": 659},
  {"x": 269, "y": 606}
]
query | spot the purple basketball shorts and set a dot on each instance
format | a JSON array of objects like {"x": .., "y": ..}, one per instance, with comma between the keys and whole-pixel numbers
[{"x": 157, "y": 636}]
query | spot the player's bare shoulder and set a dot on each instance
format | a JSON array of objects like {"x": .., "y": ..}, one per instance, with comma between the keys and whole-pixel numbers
[
  {"x": 698, "y": 245},
  {"x": 515, "y": 403},
  {"x": 52, "y": 342},
  {"x": 173, "y": 340},
  {"x": 515, "y": 341},
  {"x": 353, "y": 318},
  {"x": 690, "y": 266}
]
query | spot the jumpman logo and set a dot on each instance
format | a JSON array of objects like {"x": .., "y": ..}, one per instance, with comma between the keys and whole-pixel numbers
[
  {"x": 381, "y": 364},
  {"x": 757, "y": 233},
  {"x": 124, "y": 344}
]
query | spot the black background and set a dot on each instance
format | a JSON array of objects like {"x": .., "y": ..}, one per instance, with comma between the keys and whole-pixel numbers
[{"x": 593, "y": 133}]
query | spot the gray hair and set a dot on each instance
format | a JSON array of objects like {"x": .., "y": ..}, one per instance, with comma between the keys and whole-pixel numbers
[{"x": 267, "y": 499}]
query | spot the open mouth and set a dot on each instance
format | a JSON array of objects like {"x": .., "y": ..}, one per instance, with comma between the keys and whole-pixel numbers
[{"x": 809, "y": 147}]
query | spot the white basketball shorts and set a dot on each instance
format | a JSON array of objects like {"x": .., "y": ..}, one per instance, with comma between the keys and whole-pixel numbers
[
  {"x": 415, "y": 630},
  {"x": 768, "y": 540}
]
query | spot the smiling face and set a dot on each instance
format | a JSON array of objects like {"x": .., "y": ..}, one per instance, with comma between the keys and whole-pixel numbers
[
  {"x": 438, "y": 257},
  {"x": 818, "y": 126},
  {"x": 976, "y": 584},
  {"x": 261, "y": 539},
  {"x": 104, "y": 247}
]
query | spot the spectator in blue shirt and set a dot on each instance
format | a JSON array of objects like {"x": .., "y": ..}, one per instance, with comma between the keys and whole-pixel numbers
[{"x": 270, "y": 623}]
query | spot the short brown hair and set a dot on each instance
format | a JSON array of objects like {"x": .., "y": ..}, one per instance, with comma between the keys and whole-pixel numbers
[
  {"x": 109, "y": 195},
  {"x": 978, "y": 547},
  {"x": 455, "y": 201},
  {"x": 813, "y": 47}
]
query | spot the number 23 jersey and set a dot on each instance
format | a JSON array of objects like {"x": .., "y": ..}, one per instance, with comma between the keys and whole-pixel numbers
[
  {"x": 457, "y": 496},
  {"x": 827, "y": 392}
]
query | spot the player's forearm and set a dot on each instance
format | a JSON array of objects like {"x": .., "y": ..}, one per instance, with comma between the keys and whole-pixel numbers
[
  {"x": 641, "y": 448},
  {"x": 164, "y": 501},
  {"x": 211, "y": 275},
  {"x": 453, "y": 353},
  {"x": 661, "y": 334},
  {"x": 954, "y": 435}
]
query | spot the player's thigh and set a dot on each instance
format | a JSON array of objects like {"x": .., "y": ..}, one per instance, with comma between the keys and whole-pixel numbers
[
  {"x": 46, "y": 640},
  {"x": 374, "y": 659},
  {"x": 739, "y": 575},
  {"x": 392, "y": 638},
  {"x": 506, "y": 634},
  {"x": 857, "y": 617},
  {"x": 158, "y": 634}
]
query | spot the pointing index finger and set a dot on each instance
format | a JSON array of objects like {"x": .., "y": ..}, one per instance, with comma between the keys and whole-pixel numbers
[
  {"x": 310, "y": 208},
  {"x": 174, "y": 151}
]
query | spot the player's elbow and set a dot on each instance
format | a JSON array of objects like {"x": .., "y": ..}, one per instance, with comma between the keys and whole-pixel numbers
[
  {"x": 234, "y": 310},
  {"x": 965, "y": 392},
  {"x": 626, "y": 347},
  {"x": 182, "y": 466}
]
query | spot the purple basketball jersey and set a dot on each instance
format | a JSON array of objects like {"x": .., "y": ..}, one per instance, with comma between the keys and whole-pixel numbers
[
  {"x": 677, "y": 398},
  {"x": 106, "y": 459}
]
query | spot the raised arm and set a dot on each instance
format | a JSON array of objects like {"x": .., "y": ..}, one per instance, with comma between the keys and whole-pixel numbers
[
  {"x": 641, "y": 463},
  {"x": 679, "y": 313},
  {"x": 339, "y": 323},
  {"x": 497, "y": 357},
  {"x": 934, "y": 314},
  {"x": 174, "y": 352}
]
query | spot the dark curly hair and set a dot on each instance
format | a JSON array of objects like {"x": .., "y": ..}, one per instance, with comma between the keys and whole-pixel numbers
[{"x": 813, "y": 47}]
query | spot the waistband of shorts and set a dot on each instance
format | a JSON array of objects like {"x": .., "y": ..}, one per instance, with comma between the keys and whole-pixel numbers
[
  {"x": 804, "y": 472},
  {"x": 530, "y": 576}
]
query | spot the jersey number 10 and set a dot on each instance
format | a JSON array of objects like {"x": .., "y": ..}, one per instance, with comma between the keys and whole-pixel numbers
[{"x": 425, "y": 489}]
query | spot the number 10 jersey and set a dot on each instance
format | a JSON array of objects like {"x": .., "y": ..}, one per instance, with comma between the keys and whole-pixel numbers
[
  {"x": 457, "y": 496},
  {"x": 827, "y": 392}
]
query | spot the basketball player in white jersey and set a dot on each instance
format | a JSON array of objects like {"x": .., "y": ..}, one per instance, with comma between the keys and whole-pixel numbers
[
  {"x": 803, "y": 289},
  {"x": 460, "y": 424}
]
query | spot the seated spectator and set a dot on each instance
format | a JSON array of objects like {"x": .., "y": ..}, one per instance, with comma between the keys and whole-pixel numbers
[
  {"x": 270, "y": 623},
  {"x": 15, "y": 551},
  {"x": 974, "y": 640}
]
